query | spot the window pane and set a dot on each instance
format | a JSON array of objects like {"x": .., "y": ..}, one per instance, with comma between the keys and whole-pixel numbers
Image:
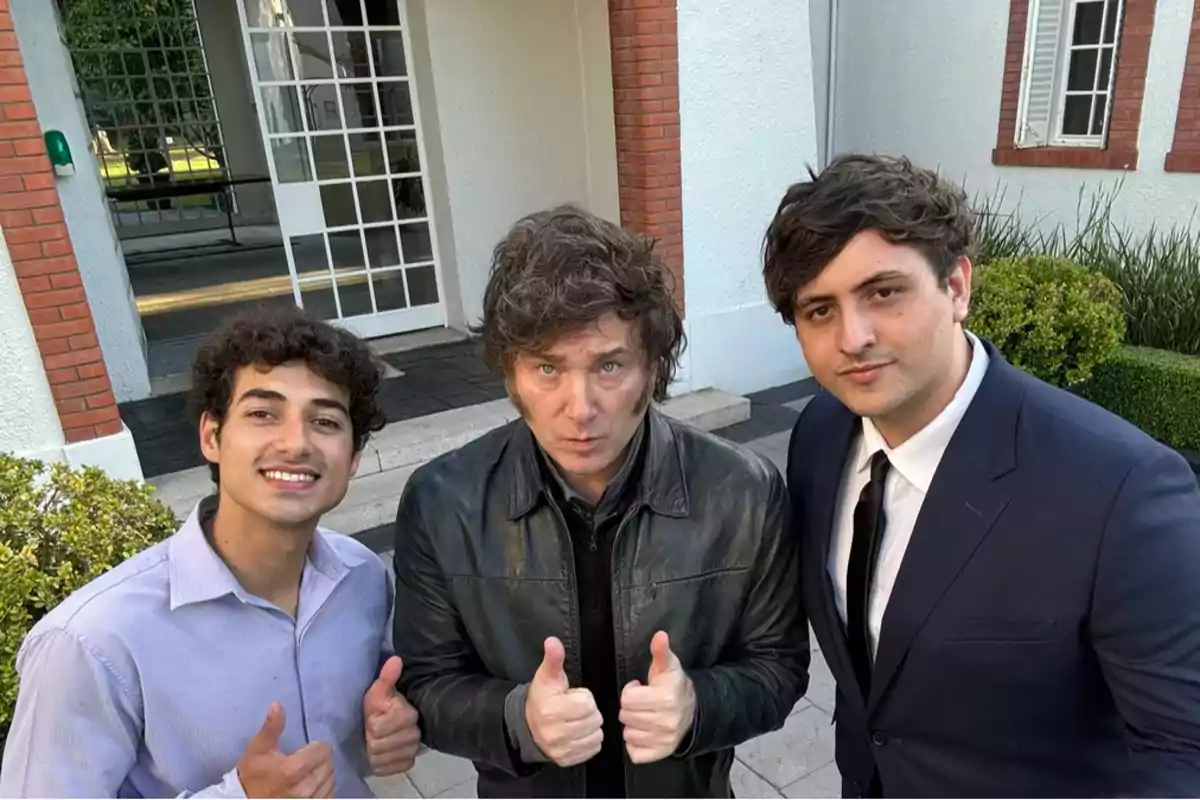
[
  {"x": 374, "y": 201},
  {"x": 382, "y": 250},
  {"x": 410, "y": 197},
  {"x": 281, "y": 109},
  {"x": 388, "y": 50},
  {"x": 359, "y": 101},
  {"x": 383, "y": 12},
  {"x": 317, "y": 297},
  {"x": 313, "y": 53},
  {"x": 1102, "y": 79},
  {"x": 367, "y": 154},
  {"x": 321, "y": 104},
  {"x": 346, "y": 248},
  {"x": 337, "y": 200},
  {"x": 355, "y": 294},
  {"x": 350, "y": 50},
  {"x": 1110, "y": 23},
  {"x": 415, "y": 242},
  {"x": 422, "y": 285},
  {"x": 303, "y": 13},
  {"x": 291, "y": 160},
  {"x": 1098, "y": 114},
  {"x": 402, "y": 153},
  {"x": 1077, "y": 114},
  {"x": 309, "y": 254},
  {"x": 1089, "y": 19},
  {"x": 329, "y": 153},
  {"x": 272, "y": 59},
  {"x": 389, "y": 290},
  {"x": 396, "y": 103},
  {"x": 1081, "y": 77}
]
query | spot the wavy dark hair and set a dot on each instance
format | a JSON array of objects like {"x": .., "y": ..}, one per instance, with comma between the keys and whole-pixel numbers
[
  {"x": 817, "y": 218},
  {"x": 561, "y": 269},
  {"x": 271, "y": 336}
]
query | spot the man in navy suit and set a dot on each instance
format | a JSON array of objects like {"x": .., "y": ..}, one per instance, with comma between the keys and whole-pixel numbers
[{"x": 1004, "y": 578}]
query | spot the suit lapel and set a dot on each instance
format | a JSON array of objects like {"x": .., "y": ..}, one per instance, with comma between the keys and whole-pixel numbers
[
  {"x": 829, "y": 466},
  {"x": 963, "y": 503}
]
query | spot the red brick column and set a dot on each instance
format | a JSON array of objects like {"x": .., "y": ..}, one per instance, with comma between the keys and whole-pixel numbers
[
  {"x": 645, "y": 73},
  {"x": 1185, "y": 149},
  {"x": 32, "y": 219}
]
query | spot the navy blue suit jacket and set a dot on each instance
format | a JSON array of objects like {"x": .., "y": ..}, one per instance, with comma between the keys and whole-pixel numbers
[{"x": 1043, "y": 634}]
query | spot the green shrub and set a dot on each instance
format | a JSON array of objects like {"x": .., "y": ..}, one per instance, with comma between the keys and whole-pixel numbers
[
  {"x": 60, "y": 528},
  {"x": 1157, "y": 390},
  {"x": 1049, "y": 316},
  {"x": 1157, "y": 269}
]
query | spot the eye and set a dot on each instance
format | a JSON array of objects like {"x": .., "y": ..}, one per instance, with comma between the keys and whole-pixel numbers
[
  {"x": 546, "y": 369},
  {"x": 259, "y": 413},
  {"x": 326, "y": 422},
  {"x": 886, "y": 292},
  {"x": 817, "y": 312},
  {"x": 609, "y": 367}
]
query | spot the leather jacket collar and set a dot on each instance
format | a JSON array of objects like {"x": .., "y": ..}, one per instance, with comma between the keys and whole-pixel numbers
[{"x": 663, "y": 487}]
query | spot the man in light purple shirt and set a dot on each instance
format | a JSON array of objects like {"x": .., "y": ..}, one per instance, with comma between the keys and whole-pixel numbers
[{"x": 247, "y": 655}]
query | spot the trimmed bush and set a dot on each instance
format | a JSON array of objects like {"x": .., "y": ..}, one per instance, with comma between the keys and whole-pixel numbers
[
  {"x": 1157, "y": 390},
  {"x": 59, "y": 529},
  {"x": 1049, "y": 316}
]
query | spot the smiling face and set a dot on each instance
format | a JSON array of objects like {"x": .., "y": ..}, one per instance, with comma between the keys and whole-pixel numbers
[
  {"x": 285, "y": 447},
  {"x": 880, "y": 333},
  {"x": 583, "y": 398}
]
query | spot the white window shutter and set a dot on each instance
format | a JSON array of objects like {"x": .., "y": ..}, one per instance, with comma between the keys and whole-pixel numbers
[{"x": 1042, "y": 41}]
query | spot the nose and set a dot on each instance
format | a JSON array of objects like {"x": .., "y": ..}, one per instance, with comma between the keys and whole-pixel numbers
[
  {"x": 857, "y": 332},
  {"x": 294, "y": 437},
  {"x": 581, "y": 400}
]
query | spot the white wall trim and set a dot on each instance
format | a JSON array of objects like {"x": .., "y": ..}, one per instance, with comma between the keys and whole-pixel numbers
[{"x": 116, "y": 454}]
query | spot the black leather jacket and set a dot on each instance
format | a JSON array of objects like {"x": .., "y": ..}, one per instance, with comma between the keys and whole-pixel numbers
[{"x": 484, "y": 573}]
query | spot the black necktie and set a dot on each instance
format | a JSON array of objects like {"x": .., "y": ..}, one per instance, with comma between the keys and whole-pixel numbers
[{"x": 869, "y": 524}]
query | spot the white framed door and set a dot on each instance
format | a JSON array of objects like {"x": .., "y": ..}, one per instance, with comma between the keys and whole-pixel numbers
[{"x": 341, "y": 128}]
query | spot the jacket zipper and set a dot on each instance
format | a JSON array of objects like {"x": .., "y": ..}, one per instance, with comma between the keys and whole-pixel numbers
[{"x": 612, "y": 580}]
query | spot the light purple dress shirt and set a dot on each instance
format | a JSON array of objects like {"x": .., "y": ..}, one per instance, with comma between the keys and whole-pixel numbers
[{"x": 150, "y": 680}]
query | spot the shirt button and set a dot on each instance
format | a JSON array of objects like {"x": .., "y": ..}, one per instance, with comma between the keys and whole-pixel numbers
[{"x": 879, "y": 739}]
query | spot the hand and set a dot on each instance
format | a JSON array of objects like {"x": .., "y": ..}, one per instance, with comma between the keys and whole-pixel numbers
[
  {"x": 657, "y": 716},
  {"x": 392, "y": 733},
  {"x": 264, "y": 771},
  {"x": 565, "y": 723}
]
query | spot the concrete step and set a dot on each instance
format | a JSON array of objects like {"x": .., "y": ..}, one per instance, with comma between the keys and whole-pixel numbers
[{"x": 395, "y": 452}]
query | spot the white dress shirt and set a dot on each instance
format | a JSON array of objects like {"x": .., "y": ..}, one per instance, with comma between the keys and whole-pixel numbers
[
  {"x": 150, "y": 680},
  {"x": 913, "y": 465}
]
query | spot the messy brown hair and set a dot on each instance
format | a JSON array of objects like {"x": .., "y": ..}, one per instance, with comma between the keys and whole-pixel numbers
[
  {"x": 564, "y": 268},
  {"x": 904, "y": 203},
  {"x": 270, "y": 336}
]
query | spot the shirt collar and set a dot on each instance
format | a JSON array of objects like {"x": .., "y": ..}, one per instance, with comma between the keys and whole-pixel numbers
[
  {"x": 198, "y": 574},
  {"x": 918, "y": 457}
]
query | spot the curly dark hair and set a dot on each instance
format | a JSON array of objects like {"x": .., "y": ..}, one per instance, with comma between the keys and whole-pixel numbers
[
  {"x": 275, "y": 335},
  {"x": 817, "y": 218},
  {"x": 560, "y": 269}
]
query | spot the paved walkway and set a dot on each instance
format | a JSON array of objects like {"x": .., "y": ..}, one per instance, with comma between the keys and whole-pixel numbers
[{"x": 795, "y": 761}]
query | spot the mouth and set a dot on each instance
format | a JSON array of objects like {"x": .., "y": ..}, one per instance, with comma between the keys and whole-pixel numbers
[
  {"x": 583, "y": 442},
  {"x": 293, "y": 478},
  {"x": 864, "y": 373}
]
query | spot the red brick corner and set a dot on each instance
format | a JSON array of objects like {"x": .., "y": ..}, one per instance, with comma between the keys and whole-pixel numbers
[
  {"x": 645, "y": 74},
  {"x": 1185, "y": 149},
  {"x": 1120, "y": 152},
  {"x": 32, "y": 219}
]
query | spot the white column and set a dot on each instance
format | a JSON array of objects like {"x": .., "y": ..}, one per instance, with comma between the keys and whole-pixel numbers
[
  {"x": 29, "y": 424},
  {"x": 747, "y": 131}
]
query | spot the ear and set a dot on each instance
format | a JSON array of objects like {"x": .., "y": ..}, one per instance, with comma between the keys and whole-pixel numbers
[
  {"x": 354, "y": 463},
  {"x": 210, "y": 438},
  {"x": 958, "y": 283}
]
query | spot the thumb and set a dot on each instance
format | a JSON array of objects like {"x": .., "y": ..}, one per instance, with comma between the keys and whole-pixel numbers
[
  {"x": 267, "y": 738},
  {"x": 551, "y": 669},
  {"x": 383, "y": 689},
  {"x": 662, "y": 660}
]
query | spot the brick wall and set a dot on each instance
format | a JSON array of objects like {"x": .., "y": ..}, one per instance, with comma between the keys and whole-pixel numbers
[
  {"x": 1185, "y": 149},
  {"x": 645, "y": 67},
  {"x": 32, "y": 219},
  {"x": 1121, "y": 149}
]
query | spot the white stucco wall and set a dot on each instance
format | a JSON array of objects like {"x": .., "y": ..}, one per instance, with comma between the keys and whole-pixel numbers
[
  {"x": 101, "y": 263},
  {"x": 28, "y": 420},
  {"x": 923, "y": 78},
  {"x": 523, "y": 95},
  {"x": 748, "y": 130}
]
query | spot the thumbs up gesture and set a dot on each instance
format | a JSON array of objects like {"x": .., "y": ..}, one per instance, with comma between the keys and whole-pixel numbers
[
  {"x": 264, "y": 771},
  {"x": 391, "y": 723},
  {"x": 565, "y": 723},
  {"x": 658, "y": 715}
]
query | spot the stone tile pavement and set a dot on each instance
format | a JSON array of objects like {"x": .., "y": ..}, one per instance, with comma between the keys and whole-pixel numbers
[{"x": 794, "y": 761}]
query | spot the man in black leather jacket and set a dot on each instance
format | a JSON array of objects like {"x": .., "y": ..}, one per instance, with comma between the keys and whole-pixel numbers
[{"x": 595, "y": 600}]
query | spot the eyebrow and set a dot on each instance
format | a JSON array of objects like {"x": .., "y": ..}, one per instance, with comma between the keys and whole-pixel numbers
[
  {"x": 878, "y": 277},
  {"x": 603, "y": 355},
  {"x": 273, "y": 396}
]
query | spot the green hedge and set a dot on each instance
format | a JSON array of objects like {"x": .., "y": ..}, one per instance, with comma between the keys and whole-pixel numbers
[
  {"x": 1048, "y": 315},
  {"x": 1157, "y": 390}
]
